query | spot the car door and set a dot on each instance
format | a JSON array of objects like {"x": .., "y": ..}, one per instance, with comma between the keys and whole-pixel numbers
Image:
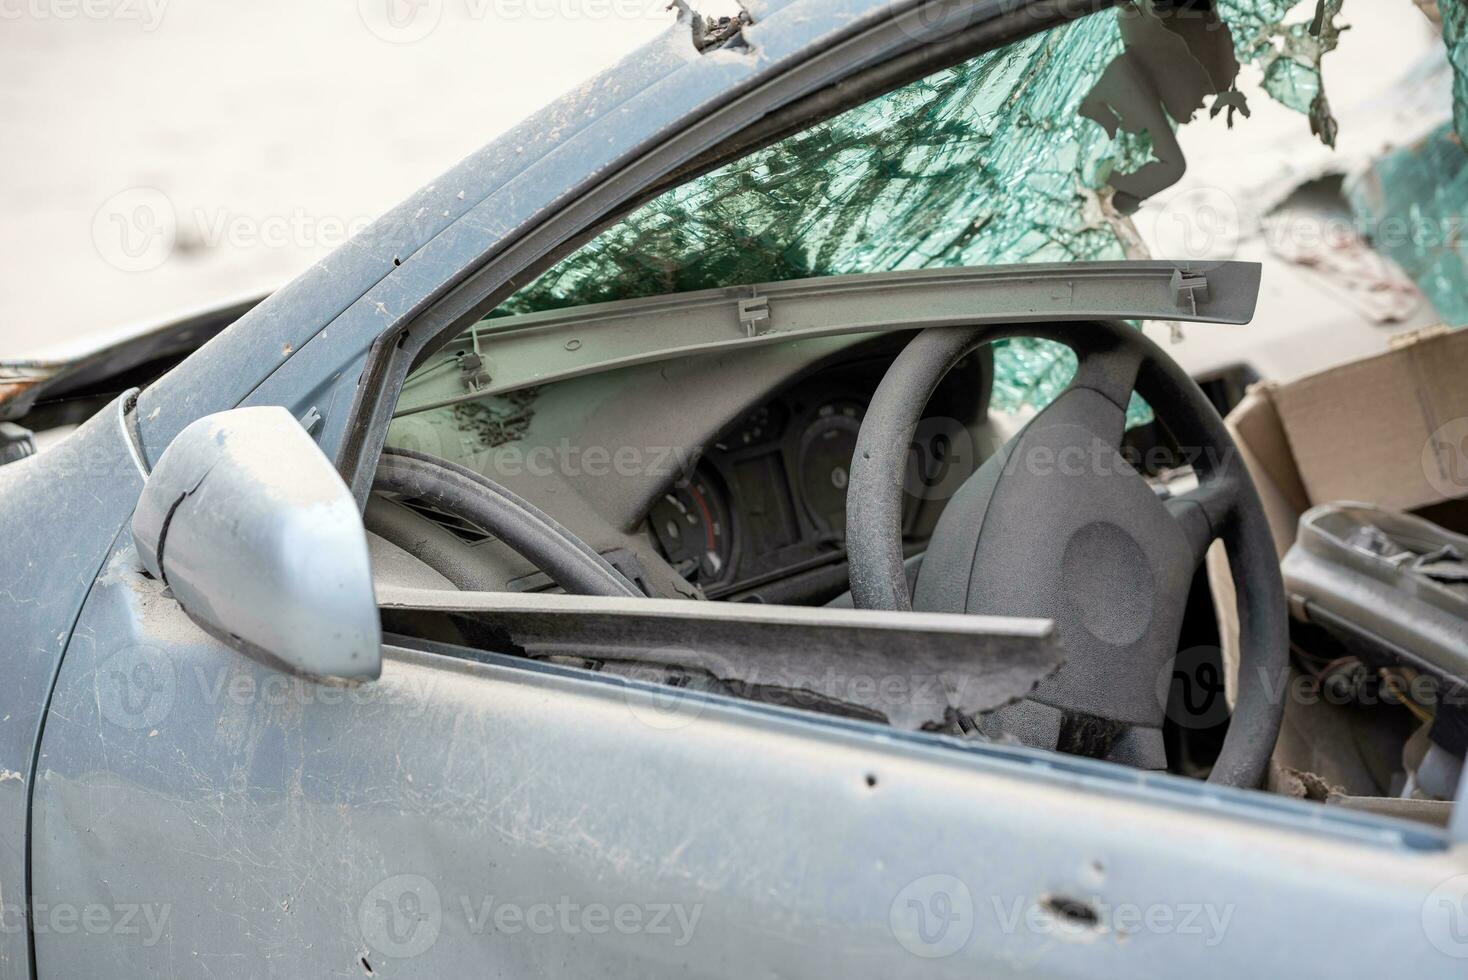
[{"x": 199, "y": 813}]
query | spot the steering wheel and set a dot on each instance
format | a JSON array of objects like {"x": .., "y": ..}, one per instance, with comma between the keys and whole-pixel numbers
[{"x": 1057, "y": 525}]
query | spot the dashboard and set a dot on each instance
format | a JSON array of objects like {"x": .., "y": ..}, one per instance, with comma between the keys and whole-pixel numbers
[
  {"x": 766, "y": 502},
  {"x": 741, "y": 460}
]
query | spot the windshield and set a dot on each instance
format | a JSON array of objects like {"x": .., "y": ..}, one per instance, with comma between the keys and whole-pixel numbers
[{"x": 1003, "y": 159}]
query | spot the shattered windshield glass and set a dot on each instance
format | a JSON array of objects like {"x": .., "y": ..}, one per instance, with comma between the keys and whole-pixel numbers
[
  {"x": 1453, "y": 15},
  {"x": 1414, "y": 201},
  {"x": 1037, "y": 152}
]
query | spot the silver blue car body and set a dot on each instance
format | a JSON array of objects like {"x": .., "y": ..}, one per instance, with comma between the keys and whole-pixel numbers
[{"x": 170, "y": 808}]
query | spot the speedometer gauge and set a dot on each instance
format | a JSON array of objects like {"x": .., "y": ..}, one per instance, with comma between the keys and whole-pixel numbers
[
  {"x": 691, "y": 524},
  {"x": 826, "y": 448}
]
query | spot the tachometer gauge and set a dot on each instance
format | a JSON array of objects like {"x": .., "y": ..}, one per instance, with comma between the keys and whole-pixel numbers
[
  {"x": 691, "y": 524},
  {"x": 826, "y": 448}
]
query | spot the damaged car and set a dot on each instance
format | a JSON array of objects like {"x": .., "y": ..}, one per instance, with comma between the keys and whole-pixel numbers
[{"x": 738, "y": 523}]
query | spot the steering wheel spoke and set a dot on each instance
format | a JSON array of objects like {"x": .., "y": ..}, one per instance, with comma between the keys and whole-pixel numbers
[
  {"x": 1109, "y": 367},
  {"x": 1202, "y": 514}
]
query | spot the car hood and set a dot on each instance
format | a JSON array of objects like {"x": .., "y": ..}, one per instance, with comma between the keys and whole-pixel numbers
[{"x": 24, "y": 382}]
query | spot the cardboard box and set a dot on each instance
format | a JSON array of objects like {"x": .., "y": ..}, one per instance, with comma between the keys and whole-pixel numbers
[
  {"x": 1384, "y": 429},
  {"x": 1390, "y": 430}
]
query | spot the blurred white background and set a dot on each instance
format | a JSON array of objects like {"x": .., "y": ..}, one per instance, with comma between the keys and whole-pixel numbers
[{"x": 274, "y": 128}]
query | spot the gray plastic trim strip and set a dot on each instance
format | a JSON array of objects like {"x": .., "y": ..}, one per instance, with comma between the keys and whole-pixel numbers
[{"x": 549, "y": 346}]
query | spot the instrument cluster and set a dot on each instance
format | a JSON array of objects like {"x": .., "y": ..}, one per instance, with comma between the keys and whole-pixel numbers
[{"x": 768, "y": 499}]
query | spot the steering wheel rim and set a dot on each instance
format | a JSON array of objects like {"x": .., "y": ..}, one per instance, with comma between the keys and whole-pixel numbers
[
  {"x": 552, "y": 548},
  {"x": 1113, "y": 360}
]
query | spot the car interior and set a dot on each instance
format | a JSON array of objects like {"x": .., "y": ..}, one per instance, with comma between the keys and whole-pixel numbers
[
  {"x": 744, "y": 501},
  {"x": 895, "y": 470},
  {"x": 727, "y": 477}
]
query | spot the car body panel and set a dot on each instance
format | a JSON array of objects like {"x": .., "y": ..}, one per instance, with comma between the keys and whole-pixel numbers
[
  {"x": 61, "y": 511},
  {"x": 276, "y": 829},
  {"x": 23, "y": 382}
]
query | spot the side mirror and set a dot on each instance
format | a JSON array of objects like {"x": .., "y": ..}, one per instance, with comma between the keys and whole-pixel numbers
[{"x": 249, "y": 525}]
